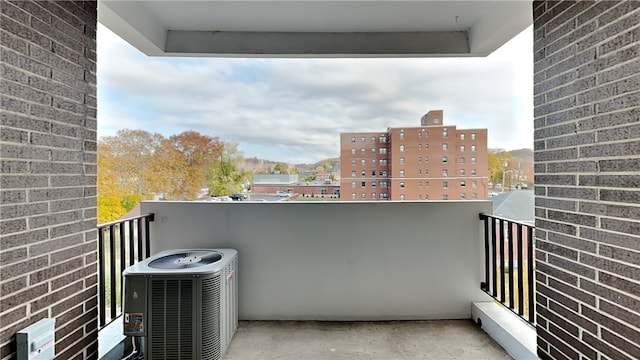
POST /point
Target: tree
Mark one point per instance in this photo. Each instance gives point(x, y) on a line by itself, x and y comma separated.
point(189, 156)
point(497, 160)
point(224, 176)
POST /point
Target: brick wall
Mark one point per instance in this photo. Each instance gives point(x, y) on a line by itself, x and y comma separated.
point(48, 173)
point(587, 157)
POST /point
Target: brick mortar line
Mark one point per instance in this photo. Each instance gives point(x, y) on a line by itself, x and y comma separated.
point(598, 297)
point(598, 29)
point(578, 120)
point(595, 158)
point(47, 92)
point(586, 90)
point(544, 116)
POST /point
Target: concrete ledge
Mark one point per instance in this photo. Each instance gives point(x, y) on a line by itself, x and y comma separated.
point(516, 336)
point(109, 338)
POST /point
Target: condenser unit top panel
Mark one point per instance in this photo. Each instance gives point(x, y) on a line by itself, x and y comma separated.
point(183, 261)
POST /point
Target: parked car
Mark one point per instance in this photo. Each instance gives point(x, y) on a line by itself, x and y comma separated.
point(237, 197)
point(282, 194)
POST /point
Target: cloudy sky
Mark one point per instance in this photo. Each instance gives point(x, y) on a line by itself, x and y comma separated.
point(293, 110)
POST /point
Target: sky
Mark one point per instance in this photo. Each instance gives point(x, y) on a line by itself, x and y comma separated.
point(293, 110)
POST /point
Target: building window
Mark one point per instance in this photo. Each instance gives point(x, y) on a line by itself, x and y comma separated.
point(474, 183)
point(364, 173)
point(353, 184)
point(402, 148)
point(426, 171)
point(383, 139)
point(473, 171)
point(419, 183)
point(445, 159)
point(383, 150)
point(419, 145)
point(383, 162)
point(383, 184)
point(373, 183)
point(373, 150)
point(474, 196)
point(420, 197)
point(419, 171)
point(373, 162)
point(363, 196)
point(445, 172)
point(473, 136)
point(402, 184)
point(323, 191)
point(463, 196)
point(383, 173)
point(362, 151)
point(383, 195)
point(353, 151)
point(401, 196)
point(463, 183)
point(363, 162)
point(445, 197)
point(363, 139)
point(364, 183)
point(426, 159)
point(445, 147)
point(353, 196)
point(353, 139)
point(353, 173)
point(426, 183)
point(462, 160)
point(473, 160)
point(373, 139)
point(473, 148)
point(402, 160)
point(445, 184)
point(419, 158)
point(401, 135)
point(462, 136)
point(353, 162)
point(445, 133)
point(426, 146)
point(373, 195)
point(462, 172)
point(401, 173)
point(461, 148)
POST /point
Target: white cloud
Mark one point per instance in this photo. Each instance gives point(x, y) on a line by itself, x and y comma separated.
point(294, 109)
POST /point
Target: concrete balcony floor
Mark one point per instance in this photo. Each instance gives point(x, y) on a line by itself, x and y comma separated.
point(313, 340)
point(383, 340)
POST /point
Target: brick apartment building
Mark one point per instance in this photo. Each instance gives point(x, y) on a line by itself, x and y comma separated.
point(431, 162)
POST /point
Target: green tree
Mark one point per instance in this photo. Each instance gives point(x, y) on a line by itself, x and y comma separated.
point(224, 176)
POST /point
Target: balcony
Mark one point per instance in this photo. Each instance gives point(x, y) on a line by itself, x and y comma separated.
point(344, 279)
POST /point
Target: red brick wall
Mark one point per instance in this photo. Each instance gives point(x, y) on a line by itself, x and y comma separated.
point(48, 164)
point(587, 156)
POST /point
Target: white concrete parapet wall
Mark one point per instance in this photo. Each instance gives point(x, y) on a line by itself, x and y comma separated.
point(339, 260)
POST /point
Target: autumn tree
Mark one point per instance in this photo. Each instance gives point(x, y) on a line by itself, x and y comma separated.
point(189, 155)
point(499, 161)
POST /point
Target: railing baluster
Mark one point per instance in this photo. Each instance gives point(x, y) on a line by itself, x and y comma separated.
point(507, 237)
point(501, 251)
point(101, 278)
point(531, 274)
point(510, 259)
point(112, 271)
point(121, 238)
point(520, 271)
point(494, 268)
point(486, 253)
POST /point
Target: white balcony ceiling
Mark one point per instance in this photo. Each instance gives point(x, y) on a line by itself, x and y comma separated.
point(312, 28)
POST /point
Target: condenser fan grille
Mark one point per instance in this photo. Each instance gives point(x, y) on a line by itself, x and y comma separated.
point(211, 347)
point(172, 319)
point(186, 260)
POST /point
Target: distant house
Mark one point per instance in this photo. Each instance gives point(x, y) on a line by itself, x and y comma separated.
point(516, 206)
point(271, 183)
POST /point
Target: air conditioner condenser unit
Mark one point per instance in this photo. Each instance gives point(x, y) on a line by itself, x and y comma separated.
point(183, 303)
